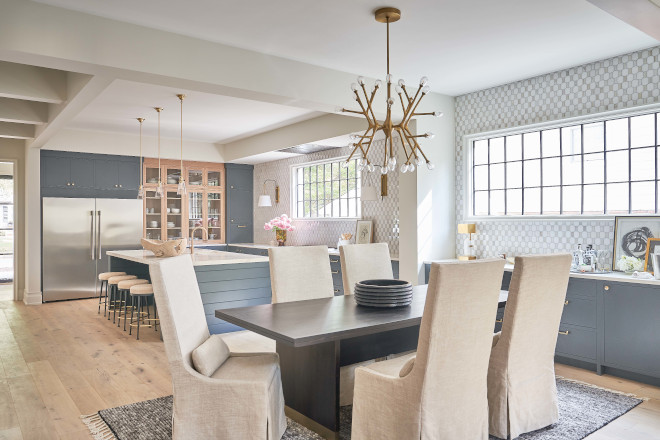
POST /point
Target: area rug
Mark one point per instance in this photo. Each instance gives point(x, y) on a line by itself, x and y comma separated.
point(583, 409)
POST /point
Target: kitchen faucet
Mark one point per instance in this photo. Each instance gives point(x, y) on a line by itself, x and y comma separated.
point(192, 237)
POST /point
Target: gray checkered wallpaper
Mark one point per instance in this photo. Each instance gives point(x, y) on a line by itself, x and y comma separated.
point(384, 213)
point(617, 83)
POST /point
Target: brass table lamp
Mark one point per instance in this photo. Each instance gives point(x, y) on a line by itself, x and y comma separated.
point(469, 252)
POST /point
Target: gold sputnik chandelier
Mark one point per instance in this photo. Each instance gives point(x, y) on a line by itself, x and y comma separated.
point(362, 144)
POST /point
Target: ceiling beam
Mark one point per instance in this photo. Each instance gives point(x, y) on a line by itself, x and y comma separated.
point(305, 132)
point(16, 131)
point(20, 81)
point(641, 14)
point(23, 112)
point(83, 89)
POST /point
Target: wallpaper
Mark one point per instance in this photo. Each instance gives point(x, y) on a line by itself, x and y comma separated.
point(383, 213)
point(617, 83)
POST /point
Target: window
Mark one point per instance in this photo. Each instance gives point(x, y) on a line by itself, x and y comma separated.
point(604, 167)
point(326, 190)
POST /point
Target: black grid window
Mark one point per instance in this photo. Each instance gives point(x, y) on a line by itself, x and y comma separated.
point(327, 190)
point(604, 167)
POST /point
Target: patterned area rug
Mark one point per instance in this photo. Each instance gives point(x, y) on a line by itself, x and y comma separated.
point(583, 409)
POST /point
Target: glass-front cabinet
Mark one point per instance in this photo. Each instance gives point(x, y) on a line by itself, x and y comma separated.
point(175, 216)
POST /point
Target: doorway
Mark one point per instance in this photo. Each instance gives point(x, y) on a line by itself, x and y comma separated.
point(7, 270)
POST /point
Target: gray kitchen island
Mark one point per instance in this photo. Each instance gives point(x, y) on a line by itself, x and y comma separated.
point(226, 279)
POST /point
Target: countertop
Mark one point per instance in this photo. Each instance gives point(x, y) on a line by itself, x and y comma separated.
point(331, 251)
point(201, 257)
point(612, 276)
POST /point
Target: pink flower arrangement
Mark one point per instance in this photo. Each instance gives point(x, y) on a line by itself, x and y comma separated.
point(281, 223)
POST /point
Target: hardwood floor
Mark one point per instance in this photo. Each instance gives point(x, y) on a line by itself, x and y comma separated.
point(61, 360)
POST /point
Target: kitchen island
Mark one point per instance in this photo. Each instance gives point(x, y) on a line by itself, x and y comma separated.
point(226, 279)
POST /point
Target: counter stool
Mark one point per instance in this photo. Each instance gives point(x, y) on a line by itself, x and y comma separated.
point(112, 293)
point(123, 289)
point(140, 295)
point(104, 277)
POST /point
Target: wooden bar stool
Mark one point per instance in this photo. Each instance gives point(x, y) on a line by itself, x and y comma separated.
point(112, 294)
point(123, 288)
point(104, 277)
point(140, 295)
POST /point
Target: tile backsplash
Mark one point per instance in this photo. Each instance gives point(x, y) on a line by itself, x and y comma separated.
point(617, 83)
point(384, 213)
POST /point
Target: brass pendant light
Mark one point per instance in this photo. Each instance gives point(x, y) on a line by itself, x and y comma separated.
point(181, 189)
point(159, 189)
point(409, 102)
point(140, 194)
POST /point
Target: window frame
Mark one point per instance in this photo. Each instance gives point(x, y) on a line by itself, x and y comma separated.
point(294, 193)
point(467, 155)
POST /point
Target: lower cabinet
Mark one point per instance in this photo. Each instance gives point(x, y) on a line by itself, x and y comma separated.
point(631, 315)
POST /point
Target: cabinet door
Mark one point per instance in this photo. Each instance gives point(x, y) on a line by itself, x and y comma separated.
point(128, 175)
point(632, 327)
point(56, 172)
point(240, 233)
point(239, 179)
point(240, 206)
point(82, 173)
point(105, 174)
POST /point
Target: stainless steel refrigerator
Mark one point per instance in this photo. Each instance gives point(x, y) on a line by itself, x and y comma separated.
point(76, 235)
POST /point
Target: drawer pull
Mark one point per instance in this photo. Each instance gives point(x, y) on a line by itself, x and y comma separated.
point(336, 290)
point(242, 226)
point(606, 288)
point(334, 271)
point(566, 302)
point(498, 321)
point(564, 333)
point(334, 261)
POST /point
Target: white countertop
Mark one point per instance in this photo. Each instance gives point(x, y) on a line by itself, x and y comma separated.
point(613, 276)
point(201, 257)
point(331, 251)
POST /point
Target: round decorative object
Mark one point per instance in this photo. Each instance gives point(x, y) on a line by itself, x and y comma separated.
point(280, 235)
point(385, 15)
point(383, 293)
point(170, 248)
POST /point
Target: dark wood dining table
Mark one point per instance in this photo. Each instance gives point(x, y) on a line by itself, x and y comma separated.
point(314, 338)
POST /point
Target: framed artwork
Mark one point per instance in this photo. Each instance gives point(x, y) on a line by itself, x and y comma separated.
point(632, 235)
point(652, 247)
point(364, 232)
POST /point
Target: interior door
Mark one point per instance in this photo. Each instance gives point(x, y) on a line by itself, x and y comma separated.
point(69, 262)
point(119, 227)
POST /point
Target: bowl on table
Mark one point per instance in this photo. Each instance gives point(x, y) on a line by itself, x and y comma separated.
point(383, 293)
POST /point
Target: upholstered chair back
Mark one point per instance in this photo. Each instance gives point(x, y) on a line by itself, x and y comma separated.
point(361, 262)
point(455, 337)
point(300, 272)
point(180, 308)
point(536, 302)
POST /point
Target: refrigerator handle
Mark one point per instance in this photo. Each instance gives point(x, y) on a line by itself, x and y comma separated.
point(92, 239)
point(98, 235)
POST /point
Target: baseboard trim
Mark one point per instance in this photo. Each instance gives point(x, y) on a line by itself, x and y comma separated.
point(32, 298)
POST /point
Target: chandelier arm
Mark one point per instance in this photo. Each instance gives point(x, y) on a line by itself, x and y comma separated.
point(424, 114)
point(403, 143)
point(406, 92)
point(345, 110)
point(370, 143)
point(412, 141)
point(403, 106)
point(417, 104)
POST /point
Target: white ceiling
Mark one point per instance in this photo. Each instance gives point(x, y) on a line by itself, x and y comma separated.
point(462, 45)
point(206, 117)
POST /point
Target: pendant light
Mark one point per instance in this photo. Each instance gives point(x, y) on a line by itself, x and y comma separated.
point(140, 194)
point(181, 189)
point(159, 189)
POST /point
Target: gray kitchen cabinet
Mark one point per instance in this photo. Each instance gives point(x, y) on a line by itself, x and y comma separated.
point(631, 327)
point(116, 175)
point(67, 172)
point(240, 203)
point(82, 173)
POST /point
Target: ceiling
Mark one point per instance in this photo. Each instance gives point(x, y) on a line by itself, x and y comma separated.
point(461, 45)
point(206, 117)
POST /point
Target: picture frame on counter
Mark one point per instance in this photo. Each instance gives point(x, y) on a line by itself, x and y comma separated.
point(632, 235)
point(364, 232)
point(653, 247)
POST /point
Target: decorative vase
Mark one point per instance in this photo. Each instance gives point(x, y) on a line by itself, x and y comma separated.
point(280, 235)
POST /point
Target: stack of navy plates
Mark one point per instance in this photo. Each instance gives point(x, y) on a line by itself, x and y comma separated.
point(383, 293)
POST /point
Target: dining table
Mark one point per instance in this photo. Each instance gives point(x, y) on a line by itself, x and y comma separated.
point(315, 337)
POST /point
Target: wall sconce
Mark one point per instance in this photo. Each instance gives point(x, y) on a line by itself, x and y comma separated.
point(469, 252)
point(264, 199)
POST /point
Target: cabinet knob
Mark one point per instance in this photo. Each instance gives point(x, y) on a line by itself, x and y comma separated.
point(336, 290)
point(232, 186)
point(606, 288)
point(73, 183)
point(566, 302)
point(68, 184)
point(120, 186)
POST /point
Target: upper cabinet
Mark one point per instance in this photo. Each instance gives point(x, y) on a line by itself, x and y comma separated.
point(67, 174)
point(202, 206)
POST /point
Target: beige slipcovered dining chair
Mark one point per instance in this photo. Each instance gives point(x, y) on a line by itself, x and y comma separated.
point(298, 273)
point(361, 262)
point(217, 394)
point(440, 391)
point(522, 393)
